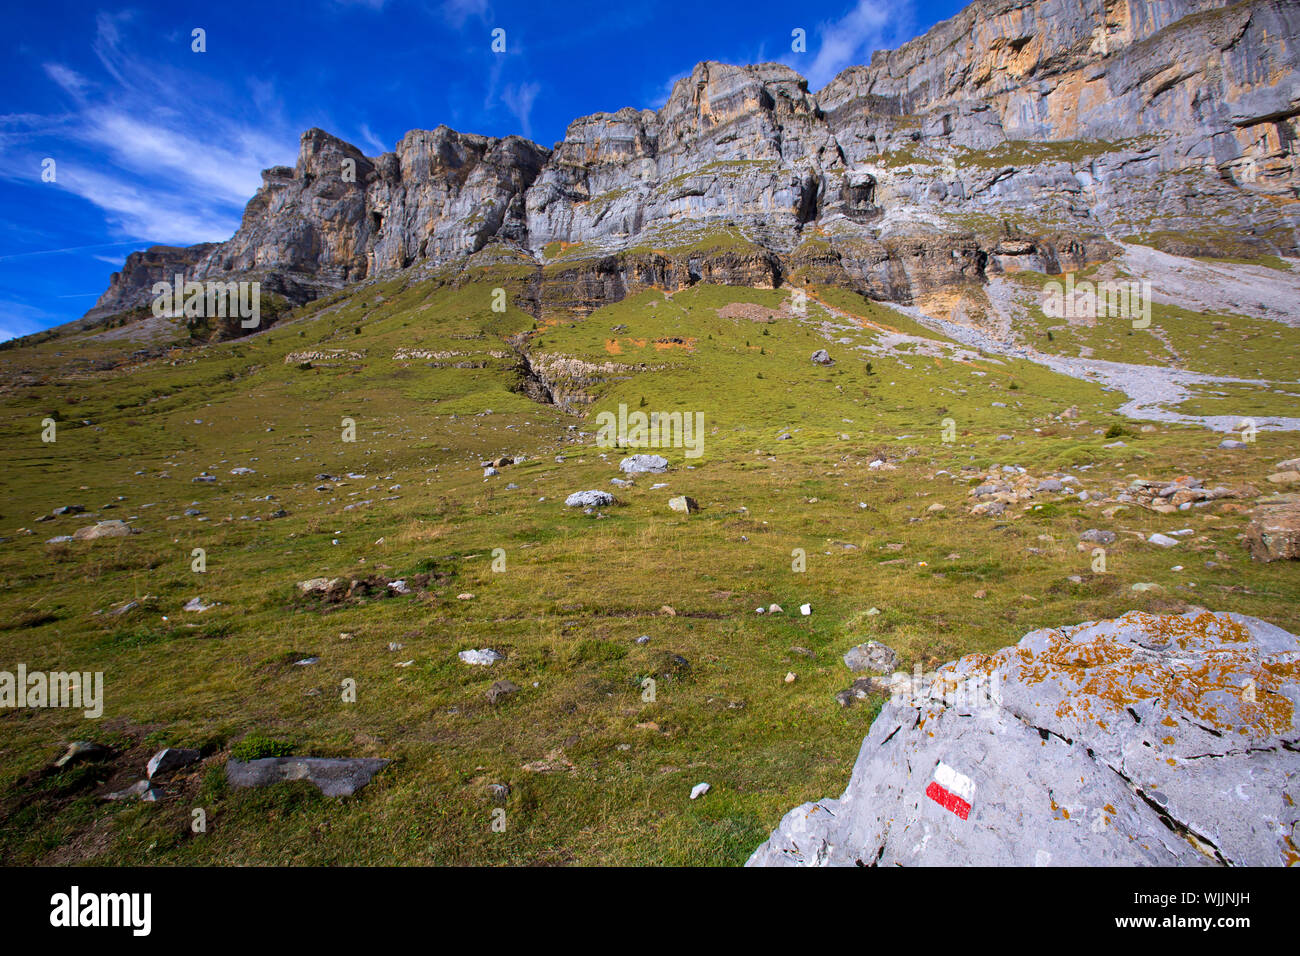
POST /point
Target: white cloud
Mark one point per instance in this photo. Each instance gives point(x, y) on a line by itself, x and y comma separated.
point(373, 141)
point(519, 100)
point(158, 215)
point(871, 25)
point(457, 12)
point(159, 174)
point(70, 80)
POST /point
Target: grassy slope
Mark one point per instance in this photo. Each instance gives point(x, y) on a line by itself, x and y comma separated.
point(577, 589)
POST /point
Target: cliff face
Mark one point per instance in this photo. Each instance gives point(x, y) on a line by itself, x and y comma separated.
point(1021, 133)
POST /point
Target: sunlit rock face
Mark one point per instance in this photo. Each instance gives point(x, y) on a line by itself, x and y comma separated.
point(1150, 739)
point(1018, 134)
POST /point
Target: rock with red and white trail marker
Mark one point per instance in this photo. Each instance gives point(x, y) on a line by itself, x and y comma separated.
point(1151, 739)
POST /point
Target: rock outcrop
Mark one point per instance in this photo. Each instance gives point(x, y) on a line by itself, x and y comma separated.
point(1018, 134)
point(1146, 740)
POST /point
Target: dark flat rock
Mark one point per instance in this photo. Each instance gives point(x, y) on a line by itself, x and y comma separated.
point(334, 777)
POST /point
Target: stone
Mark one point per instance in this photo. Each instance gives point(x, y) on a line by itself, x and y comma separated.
point(196, 604)
point(1050, 484)
point(480, 658)
point(871, 656)
point(1096, 536)
point(1274, 531)
point(699, 790)
point(1232, 443)
point(315, 585)
point(589, 499)
point(1108, 743)
point(82, 750)
point(1162, 540)
point(170, 759)
point(684, 504)
point(141, 790)
point(500, 690)
point(102, 529)
point(644, 464)
point(822, 357)
point(1285, 478)
point(334, 777)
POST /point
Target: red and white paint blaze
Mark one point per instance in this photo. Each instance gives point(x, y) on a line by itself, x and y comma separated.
point(952, 790)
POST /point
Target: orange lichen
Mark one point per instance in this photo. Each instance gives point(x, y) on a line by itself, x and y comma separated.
point(1203, 681)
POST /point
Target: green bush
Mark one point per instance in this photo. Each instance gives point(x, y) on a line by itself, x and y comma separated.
point(257, 745)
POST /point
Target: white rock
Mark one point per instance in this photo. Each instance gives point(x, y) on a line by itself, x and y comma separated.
point(481, 657)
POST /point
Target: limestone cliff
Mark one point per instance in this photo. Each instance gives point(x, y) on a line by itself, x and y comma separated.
point(1018, 134)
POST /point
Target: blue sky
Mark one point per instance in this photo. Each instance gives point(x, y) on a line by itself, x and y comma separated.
point(153, 142)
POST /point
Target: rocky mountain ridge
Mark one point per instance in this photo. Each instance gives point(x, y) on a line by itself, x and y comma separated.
point(1018, 134)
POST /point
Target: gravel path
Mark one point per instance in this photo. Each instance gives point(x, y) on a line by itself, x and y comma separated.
point(1148, 387)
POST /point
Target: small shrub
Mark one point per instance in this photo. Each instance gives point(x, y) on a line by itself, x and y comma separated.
point(257, 745)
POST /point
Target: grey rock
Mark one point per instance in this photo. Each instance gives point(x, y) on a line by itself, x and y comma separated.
point(589, 499)
point(334, 777)
point(170, 759)
point(82, 750)
point(481, 657)
point(650, 464)
point(1110, 743)
point(1050, 484)
point(1096, 536)
point(871, 656)
point(684, 503)
point(102, 529)
point(1162, 540)
point(821, 357)
point(141, 790)
point(500, 690)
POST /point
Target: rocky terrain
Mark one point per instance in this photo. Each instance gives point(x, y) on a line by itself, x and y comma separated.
point(1146, 740)
point(372, 582)
point(1016, 135)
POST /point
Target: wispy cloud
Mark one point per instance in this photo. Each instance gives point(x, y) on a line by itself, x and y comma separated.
point(519, 100)
point(871, 25)
point(159, 174)
point(456, 12)
point(374, 142)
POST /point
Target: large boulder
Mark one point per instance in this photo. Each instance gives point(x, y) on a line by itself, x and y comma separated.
point(1149, 739)
point(589, 499)
point(1274, 531)
point(644, 464)
point(334, 777)
point(102, 529)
